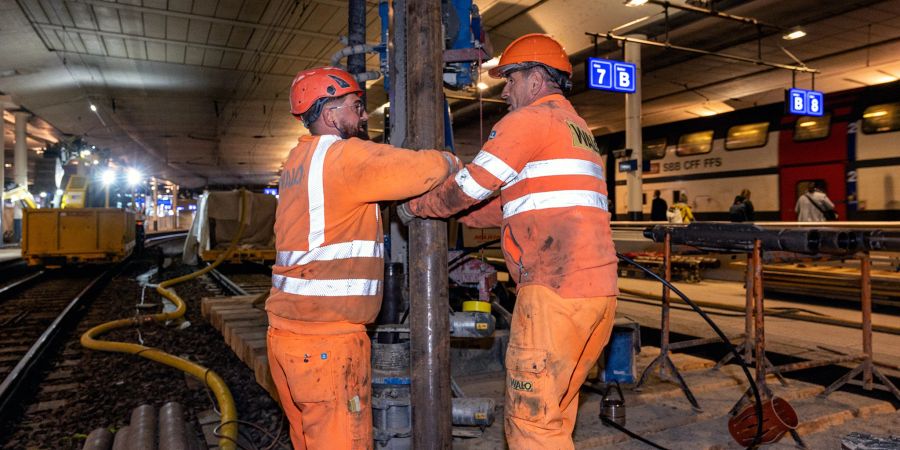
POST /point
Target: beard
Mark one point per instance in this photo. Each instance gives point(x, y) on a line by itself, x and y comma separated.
point(350, 131)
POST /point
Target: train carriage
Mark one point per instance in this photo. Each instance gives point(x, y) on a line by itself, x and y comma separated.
point(853, 151)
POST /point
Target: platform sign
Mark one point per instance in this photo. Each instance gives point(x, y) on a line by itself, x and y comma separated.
point(607, 75)
point(815, 102)
point(805, 102)
point(628, 165)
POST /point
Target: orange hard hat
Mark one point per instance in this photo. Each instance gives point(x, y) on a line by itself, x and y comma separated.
point(313, 84)
point(535, 47)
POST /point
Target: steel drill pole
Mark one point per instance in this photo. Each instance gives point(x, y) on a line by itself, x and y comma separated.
point(428, 282)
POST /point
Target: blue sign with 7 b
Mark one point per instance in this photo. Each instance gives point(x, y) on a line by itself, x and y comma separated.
point(802, 101)
point(609, 75)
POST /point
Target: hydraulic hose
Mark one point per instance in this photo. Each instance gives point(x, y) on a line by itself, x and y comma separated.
point(731, 348)
point(229, 423)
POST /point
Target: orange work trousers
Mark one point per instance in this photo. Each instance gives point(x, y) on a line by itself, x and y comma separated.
point(553, 343)
point(323, 376)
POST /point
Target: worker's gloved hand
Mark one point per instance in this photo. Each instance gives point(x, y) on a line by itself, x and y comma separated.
point(455, 163)
point(406, 216)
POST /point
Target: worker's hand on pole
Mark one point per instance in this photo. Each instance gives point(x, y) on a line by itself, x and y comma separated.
point(455, 163)
point(406, 216)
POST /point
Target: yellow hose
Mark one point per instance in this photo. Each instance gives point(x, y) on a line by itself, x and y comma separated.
point(216, 384)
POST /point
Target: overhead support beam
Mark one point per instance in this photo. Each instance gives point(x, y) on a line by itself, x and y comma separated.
point(473, 98)
point(422, 46)
point(667, 45)
point(48, 26)
point(257, 73)
point(209, 19)
point(714, 13)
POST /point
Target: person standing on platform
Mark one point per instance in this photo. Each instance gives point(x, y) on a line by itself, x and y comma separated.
point(327, 278)
point(738, 210)
point(748, 206)
point(556, 239)
point(814, 206)
point(658, 208)
point(680, 211)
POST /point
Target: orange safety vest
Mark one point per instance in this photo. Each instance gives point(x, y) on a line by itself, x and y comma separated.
point(552, 204)
point(328, 233)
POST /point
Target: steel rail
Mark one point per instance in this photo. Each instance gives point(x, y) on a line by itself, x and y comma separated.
point(226, 283)
point(9, 388)
point(20, 282)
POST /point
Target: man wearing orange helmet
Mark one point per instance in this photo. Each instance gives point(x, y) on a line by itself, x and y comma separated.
point(556, 239)
point(327, 278)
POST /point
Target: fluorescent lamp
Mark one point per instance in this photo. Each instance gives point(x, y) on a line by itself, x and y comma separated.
point(93, 107)
point(795, 33)
point(633, 3)
point(875, 114)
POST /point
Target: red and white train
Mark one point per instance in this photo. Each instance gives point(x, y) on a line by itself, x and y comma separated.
point(853, 151)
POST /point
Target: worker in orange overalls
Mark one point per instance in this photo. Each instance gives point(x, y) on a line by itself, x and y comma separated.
point(327, 279)
point(556, 239)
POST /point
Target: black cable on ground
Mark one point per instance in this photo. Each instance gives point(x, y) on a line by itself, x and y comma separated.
point(731, 348)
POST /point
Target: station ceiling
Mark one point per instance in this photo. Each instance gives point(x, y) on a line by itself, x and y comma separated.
point(195, 91)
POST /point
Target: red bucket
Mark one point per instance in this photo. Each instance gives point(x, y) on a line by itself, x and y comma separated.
point(778, 418)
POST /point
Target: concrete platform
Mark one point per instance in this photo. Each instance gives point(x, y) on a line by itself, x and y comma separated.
point(10, 254)
point(786, 336)
point(661, 413)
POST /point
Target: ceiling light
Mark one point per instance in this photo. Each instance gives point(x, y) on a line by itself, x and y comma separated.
point(491, 63)
point(96, 162)
point(807, 123)
point(874, 114)
point(43, 194)
point(482, 85)
point(93, 107)
point(794, 33)
point(635, 2)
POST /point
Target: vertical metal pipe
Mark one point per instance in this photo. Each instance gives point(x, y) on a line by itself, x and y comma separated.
point(2, 165)
point(428, 289)
point(356, 34)
point(633, 138)
point(748, 314)
point(667, 263)
point(760, 334)
point(20, 166)
point(865, 279)
point(391, 303)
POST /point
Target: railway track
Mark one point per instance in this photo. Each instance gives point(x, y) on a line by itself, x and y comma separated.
point(240, 279)
point(34, 318)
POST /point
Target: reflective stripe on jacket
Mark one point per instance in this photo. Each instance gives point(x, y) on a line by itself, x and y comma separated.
point(328, 233)
point(552, 204)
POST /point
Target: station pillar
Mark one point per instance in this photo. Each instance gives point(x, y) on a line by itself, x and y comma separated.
point(633, 138)
point(2, 168)
point(20, 167)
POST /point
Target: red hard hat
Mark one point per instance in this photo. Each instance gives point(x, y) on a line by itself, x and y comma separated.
point(535, 47)
point(313, 84)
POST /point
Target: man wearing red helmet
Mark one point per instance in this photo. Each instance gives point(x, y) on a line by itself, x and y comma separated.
point(556, 239)
point(326, 282)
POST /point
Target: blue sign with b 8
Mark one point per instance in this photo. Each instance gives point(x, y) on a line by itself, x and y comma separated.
point(610, 75)
point(804, 102)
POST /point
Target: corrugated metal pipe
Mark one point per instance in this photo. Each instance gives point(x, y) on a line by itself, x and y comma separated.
point(229, 427)
point(358, 49)
point(148, 431)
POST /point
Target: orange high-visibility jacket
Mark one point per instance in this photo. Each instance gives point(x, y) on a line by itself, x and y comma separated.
point(328, 231)
point(552, 204)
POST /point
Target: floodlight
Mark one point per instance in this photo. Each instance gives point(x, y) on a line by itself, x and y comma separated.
point(93, 107)
point(134, 177)
point(108, 177)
